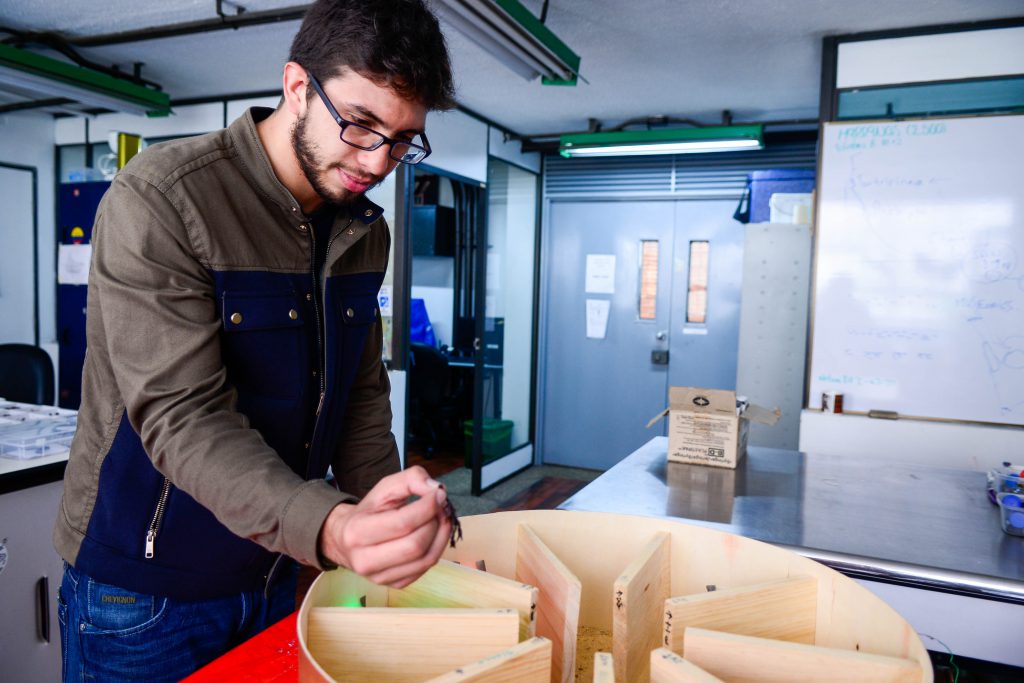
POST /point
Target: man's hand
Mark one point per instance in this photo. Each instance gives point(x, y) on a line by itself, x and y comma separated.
point(385, 538)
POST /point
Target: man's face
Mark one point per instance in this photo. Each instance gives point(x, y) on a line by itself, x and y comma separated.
point(338, 172)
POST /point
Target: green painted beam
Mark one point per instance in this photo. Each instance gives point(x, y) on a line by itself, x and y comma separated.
point(156, 103)
point(533, 25)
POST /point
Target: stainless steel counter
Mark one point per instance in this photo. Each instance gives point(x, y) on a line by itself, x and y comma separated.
point(893, 523)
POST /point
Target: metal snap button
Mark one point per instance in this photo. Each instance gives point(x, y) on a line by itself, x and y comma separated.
point(368, 213)
point(293, 314)
point(236, 318)
point(349, 312)
point(309, 297)
point(351, 231)
point(303, 227)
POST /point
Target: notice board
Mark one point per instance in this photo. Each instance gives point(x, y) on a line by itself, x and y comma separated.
point(919, 268)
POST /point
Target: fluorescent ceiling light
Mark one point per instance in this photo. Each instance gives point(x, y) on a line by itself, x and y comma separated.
point(514, 37)
point(663, 141)
point(31, 75)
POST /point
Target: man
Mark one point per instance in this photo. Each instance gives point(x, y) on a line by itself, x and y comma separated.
point(234, 353)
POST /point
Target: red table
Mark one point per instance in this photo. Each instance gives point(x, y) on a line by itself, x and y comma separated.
point(270, 656)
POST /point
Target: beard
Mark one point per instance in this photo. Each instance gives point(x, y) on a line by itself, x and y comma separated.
point(316, 170)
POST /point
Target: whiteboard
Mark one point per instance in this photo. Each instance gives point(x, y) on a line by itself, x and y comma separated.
point(919, 275)
point(17, 255)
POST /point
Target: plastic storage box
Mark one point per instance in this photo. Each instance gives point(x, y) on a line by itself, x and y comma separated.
point(37, 438)
point(497, 437)
point(1011, 508)
point(31, 431)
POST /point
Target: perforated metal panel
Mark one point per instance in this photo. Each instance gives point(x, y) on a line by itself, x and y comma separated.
point(773, 327)
point(683, 176)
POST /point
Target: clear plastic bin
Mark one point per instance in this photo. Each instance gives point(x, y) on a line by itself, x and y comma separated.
point(1006, 479)
point(37, 438)
point(1011, 509)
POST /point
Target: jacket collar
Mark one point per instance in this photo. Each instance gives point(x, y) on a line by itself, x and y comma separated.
point(255, 160)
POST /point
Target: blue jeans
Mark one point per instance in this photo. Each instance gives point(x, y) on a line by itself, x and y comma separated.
point(112, 634)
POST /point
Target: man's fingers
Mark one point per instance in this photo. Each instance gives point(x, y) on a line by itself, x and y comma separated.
point(372, 560)
point(371, 527)
point(393, 490)
point(401, 575)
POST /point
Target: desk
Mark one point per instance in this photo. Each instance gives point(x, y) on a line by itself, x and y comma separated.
point(492, 383)
point(925, 539)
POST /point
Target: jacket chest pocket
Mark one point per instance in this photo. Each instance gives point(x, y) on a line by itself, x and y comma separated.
point(265, 348)
point(356, 310)
point(355, 315)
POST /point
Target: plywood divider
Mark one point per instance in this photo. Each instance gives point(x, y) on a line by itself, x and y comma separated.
point(782, 610)
point(405, 645)
point(639, 595)
point(604, 668)
point(558, 600)
point(746, 659)
point(668, 667)
point(527, 662)
point(448, 584)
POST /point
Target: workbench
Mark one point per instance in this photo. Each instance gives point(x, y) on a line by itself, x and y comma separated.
point(926, 540)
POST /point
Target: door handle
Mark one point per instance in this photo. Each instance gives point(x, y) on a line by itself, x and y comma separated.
point(43, 605)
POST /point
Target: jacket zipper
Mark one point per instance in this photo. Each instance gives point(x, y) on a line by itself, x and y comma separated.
point(321, 289)
point(158, 517)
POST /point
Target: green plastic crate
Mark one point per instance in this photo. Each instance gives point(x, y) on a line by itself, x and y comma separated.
point(497, 438)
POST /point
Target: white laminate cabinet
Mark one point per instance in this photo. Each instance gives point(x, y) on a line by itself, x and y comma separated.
point(29, 578)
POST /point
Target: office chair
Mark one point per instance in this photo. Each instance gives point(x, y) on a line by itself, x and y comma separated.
point(434, 405)
point(26, 374)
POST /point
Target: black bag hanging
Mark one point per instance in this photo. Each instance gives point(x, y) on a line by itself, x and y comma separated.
point(742, 212)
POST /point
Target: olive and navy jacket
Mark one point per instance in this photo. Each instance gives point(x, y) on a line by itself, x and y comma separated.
point(221, 380)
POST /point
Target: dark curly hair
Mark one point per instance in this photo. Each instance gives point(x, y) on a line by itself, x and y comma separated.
point(396, 43)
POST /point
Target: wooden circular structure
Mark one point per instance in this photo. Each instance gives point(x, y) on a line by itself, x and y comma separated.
point(551, 595)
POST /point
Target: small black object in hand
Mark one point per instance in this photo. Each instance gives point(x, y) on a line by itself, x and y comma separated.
point(449, 510)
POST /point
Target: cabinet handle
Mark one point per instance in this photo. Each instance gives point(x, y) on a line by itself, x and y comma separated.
point(43, 604)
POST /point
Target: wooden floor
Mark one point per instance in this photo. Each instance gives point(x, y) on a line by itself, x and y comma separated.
point(441, 462)
point(545, 494)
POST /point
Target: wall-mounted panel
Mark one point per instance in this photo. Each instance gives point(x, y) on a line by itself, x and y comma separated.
point(936, 57)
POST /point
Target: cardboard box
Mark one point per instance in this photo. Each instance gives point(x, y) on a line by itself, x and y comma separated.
point(708, 426)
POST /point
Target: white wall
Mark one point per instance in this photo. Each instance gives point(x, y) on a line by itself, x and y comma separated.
point(27, 139)
point(500, 146)
point(458, 144)
point(191, 120)
point(930, 444)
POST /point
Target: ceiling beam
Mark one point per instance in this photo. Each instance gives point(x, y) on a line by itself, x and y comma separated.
point(237, 21)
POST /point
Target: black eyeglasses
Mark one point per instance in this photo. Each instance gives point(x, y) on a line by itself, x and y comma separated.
point(368, 139)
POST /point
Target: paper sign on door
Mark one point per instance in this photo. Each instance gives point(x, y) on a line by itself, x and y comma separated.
point(600, 274)
point(597, 318)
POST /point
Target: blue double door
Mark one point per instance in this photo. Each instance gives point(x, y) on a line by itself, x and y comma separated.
point(659, 307)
